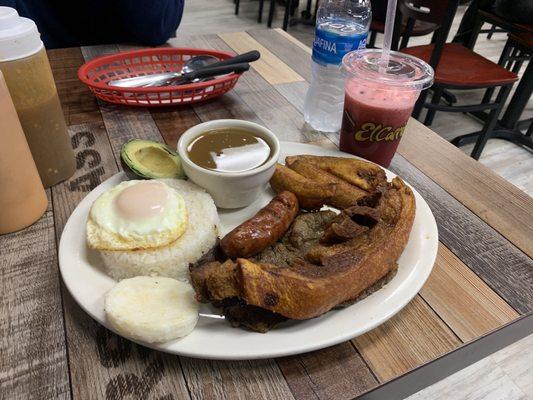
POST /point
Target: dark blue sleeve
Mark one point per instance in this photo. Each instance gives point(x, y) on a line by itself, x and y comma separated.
point(87, 22)
point(150, 23)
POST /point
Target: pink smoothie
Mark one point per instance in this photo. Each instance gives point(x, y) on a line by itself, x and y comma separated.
point(374, 119)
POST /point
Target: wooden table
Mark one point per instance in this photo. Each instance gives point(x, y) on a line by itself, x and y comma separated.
point(478, 298)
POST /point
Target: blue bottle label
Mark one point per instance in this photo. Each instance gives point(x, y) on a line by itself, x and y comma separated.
point(330, 47)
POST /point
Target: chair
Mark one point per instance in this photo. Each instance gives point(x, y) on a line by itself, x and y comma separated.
point(408, 28)
point(290, 9)
point(260, 14)
point(517, 50)
point(456, 68)
point(521, 44)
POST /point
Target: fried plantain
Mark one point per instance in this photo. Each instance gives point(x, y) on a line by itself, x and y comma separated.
point(311, 195)
point(345, 194)
point(363, 174)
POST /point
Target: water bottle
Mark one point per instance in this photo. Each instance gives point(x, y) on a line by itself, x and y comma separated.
point(341, 26)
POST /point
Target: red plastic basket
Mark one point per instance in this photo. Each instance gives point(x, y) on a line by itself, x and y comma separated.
point(96, 73)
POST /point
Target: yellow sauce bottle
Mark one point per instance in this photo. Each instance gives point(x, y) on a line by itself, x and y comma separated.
point(29, 79)
point(22, 197)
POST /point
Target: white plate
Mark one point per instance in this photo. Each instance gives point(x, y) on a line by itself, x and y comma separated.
point(214, 338)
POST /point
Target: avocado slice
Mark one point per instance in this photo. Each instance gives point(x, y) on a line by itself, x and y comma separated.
point(149, 159)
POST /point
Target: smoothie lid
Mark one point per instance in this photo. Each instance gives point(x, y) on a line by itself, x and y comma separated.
point(19, 36)
point(403, 71)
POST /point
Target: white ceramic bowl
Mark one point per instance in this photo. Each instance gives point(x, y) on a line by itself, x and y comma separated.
point(230, 189)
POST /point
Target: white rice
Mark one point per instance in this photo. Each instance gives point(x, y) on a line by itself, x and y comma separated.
point(173, 260)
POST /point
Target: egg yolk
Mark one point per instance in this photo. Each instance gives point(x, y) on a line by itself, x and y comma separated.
point(141, 201)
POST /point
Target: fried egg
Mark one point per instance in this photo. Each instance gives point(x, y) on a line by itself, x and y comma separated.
point(136, 215)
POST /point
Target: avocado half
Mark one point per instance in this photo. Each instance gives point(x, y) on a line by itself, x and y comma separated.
point(149, 159)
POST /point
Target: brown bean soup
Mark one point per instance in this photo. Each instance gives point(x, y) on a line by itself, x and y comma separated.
point(229, 150)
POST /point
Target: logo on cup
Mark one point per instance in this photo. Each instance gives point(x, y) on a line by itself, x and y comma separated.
point(372, 132)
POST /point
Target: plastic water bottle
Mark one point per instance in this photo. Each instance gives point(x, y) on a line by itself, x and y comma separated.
point(341, 26)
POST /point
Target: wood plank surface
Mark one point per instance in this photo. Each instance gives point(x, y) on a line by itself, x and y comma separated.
point(290, 51)
point(78, 103)
point(209, 379)
point(493, 199)
point(335, 373)
point(295, 93)
point(287, 36)
point(33, 359)
point(269, 66)
point(466, 303)
point(94, 164)
point(124, 123)
point(173, 122)
point(412, 337)
point(228, 106)
point(507, 270)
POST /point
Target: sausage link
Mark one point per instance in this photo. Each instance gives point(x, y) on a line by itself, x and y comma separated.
point(263, 229)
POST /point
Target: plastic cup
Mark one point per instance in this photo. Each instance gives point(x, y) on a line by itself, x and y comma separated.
point(377, 105)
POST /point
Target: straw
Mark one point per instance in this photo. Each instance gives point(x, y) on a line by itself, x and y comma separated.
point(387, 39)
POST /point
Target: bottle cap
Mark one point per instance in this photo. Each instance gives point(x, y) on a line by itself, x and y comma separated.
point(19, 36)
point(403, 71)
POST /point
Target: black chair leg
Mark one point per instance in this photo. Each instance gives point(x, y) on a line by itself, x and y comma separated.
point(407, 32)
point(437, 93)
point(271, 13)
point(293, 7)
point(419, 105)
point(504, 57)
point(260, 15)
point(505, 53)
point(518, 63)
point(475, 33)
point(286, 15)
point(237, 4)
point(396, 32)
point(372, 40)
point(490, 123)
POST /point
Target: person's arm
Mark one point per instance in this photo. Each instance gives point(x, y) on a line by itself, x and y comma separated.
point(147, 22)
